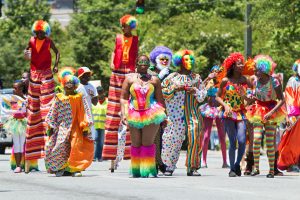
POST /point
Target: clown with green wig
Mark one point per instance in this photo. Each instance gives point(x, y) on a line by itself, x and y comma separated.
point(183, 92)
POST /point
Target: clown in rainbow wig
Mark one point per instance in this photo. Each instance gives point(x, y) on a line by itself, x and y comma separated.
point(231, 95)
point(122, 63)
point(70, 148)
point(183, 92)
point(289, 151)
point(211, 112)
point(41, 88)
point(266, 112)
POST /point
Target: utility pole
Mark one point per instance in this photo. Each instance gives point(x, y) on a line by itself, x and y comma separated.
point(248, 32)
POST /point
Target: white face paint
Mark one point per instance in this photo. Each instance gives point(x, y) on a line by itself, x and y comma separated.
point(298, 70)
point(162, 61)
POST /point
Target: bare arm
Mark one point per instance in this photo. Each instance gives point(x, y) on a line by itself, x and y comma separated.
point(57, 56)
point(125, 96)
point(158, 92)
point(220, 92)
point(112, 66)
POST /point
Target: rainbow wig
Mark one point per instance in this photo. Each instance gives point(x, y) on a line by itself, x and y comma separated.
point(129, 20)
point(265, 64)
point(178, 56)
point(296, 65)
point(66, 75)
point(41, 25)
point(158, 51)
point(232, 59)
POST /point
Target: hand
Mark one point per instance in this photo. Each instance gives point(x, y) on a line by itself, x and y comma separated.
point(164, 124)
point(179, 87)
point(91, 93)
point(164, 72)
point(55, 69)
point(191, 90)
point(124, 120)
point(267, 116)
point(27, 54)
point(112, 66)
point(227, 110)
point(242, 92)
point(212, 75)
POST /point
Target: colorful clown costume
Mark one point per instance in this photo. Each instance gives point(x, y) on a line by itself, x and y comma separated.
point(184, 116)
point(68, 148)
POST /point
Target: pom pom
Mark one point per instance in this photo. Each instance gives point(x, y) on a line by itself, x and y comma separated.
point(265, 64)
point(41, 25)
point(231, 59)
point(129, 20)
point(296, 65)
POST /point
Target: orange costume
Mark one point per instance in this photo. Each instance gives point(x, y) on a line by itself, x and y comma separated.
point(70, 146)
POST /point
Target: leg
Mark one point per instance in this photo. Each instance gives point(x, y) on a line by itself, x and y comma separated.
point(270, 140)
point(249, 155)
point(96, 145)
point(222, 139)
point(230, 129)
point(101, 142)
point(136, 141)
point(121, 144)
point(258, 130)
point(207, 130)
point(241, 137)
point(148, 166)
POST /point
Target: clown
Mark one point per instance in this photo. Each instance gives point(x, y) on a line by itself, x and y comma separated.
point(122, 63)
point(161, 58)
point(40, 89)
point(70, 148)
point(183, 92)
point(210, 112)
point(266, 112)
point(289, 151)
point(231, 95)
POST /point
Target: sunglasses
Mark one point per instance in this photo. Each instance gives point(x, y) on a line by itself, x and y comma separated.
point(143, 62)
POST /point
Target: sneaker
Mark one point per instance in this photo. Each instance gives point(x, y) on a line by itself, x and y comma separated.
point(225, 165)
point(270, 175)
point(204, 166)
point(18, 170)
point(77, 174)
point(232, 173)
point(168, 173)
point(59, 173)
point(193, 172)
point(255, 172)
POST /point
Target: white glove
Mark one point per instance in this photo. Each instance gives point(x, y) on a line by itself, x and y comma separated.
point(27, 54)
point(164, 72)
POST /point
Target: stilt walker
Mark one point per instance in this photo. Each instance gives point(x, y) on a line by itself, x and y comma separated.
point(40, 91)
point(122, 63)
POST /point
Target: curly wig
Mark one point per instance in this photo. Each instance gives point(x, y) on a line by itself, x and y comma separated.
point(296, 65)
point(178, 56)
point(265, 64)
point(159, 50)
point(129, 20)
point(41, 25)
point(232, 59)
point(66, 75)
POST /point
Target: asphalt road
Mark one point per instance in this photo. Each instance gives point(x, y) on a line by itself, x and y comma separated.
point(98, 183)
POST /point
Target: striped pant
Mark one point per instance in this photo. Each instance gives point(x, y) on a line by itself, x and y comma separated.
point(40, 96)
point(270, 131)
point(113, 118)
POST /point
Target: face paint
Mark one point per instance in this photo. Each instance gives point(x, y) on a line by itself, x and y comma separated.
point(188, 62)
point(143, 62)
point(162, 61)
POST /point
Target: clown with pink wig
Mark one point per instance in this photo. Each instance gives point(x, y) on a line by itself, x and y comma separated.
point(40, 90)
point(183, 92)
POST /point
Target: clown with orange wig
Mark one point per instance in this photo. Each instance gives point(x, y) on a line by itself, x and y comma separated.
point(70, 148)
point(40, 90)
point(183, 92)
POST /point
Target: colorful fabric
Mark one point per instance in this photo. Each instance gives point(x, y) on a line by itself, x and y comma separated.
point(148, 166)
point(16, 126)
point(270, 131)
point(289, 148)
point(40, 58)
point(99, 114)
point(184, 116)
point(68, 148)
point(292, 96)
point(256, 112)
point(113, 116)
point(119, 51)
point(33, 164)
point(135, 161)
point(143, 108)
point(234, 100)
point(267, 91)
point(123, 129)
point(126, 44)
point(40, 96)
point(210, 111)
